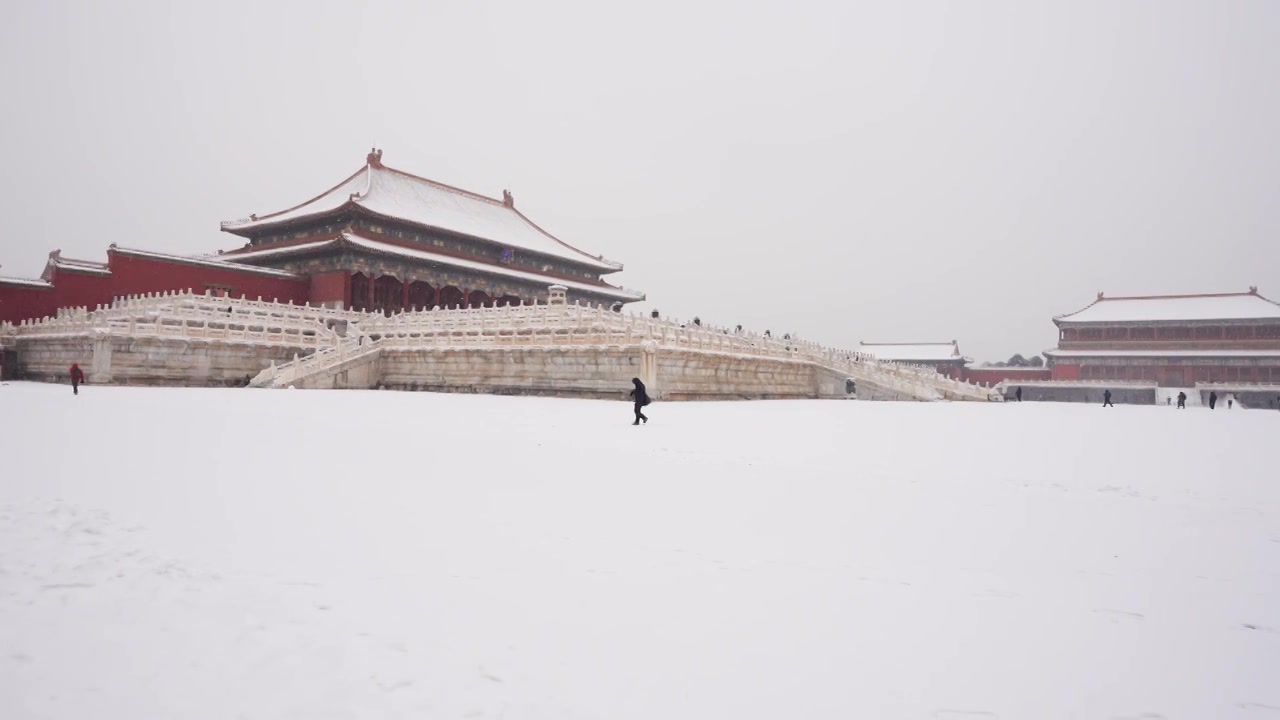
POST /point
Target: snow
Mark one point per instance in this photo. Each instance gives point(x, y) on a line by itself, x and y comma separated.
point(911, 351)
point(25, 282)
point(398, 195)
point(1240, 306)
point(239, 553)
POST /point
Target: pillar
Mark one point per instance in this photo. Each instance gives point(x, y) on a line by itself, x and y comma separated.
point(466, 298)
point(373, 282)
point(100, 367)
point(649, 367)
point(404, 294)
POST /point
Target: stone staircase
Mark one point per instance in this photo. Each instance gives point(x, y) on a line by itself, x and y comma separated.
point(350, 364)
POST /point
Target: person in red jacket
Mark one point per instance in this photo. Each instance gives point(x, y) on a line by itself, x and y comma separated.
point(77, 377)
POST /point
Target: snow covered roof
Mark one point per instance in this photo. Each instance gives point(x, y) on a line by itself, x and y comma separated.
point(398, 195)
point(918, 352)
point(28, 282)
point(1157, 308)
point(353, 240)
point(1163, 353)
point(63, 263)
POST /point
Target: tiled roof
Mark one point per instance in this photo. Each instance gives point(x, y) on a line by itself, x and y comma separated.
point(1166, 308)
point(398, 195)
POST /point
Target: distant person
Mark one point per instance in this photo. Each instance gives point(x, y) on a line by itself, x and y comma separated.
point(1018, 394)
point(641, 398)
point(1213, 399)
point(77, 377)
point(1231, 399)
point(1182, 401)
point(1106, 399)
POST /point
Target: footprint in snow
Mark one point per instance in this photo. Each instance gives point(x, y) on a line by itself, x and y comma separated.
point(1119, 615)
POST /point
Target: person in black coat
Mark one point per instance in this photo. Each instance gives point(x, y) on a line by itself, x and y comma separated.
point(641, 397)
point(1182, 401)
point(1213, 399)
point(1018, 394)
point(1106, 398)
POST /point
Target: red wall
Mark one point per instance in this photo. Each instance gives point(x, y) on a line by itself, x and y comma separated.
point(1066, 372)
point(327, 288)
point(19, 302)
point(75, 289)
point(136, 275)
point(133, 275)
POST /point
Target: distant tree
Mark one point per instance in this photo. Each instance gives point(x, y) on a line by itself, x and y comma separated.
point(1035, 361)
point(1017, 361)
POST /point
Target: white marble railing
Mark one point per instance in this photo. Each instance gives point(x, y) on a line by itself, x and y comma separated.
point(549, 325)
point(206, 316)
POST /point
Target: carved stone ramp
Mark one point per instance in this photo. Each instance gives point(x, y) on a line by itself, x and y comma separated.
point(352, 364)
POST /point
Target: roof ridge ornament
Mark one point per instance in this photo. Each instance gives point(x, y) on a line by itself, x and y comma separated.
point(374, 157)
point(508, 200)
point(1253, 289)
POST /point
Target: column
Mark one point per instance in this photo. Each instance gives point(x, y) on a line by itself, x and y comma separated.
point(372, 282)
point(404, 294)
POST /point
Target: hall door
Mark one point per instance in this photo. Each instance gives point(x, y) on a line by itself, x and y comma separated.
point(1172, 377)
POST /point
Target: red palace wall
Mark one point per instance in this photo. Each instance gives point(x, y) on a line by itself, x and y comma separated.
point(136, 275)
point(1066, 372)
point(133, 274)
point(18, 302)
point(75, 289)
point(330, 288)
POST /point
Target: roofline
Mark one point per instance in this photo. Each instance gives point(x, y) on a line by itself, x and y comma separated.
point(1102, 297)
point(285, 245)
point(35, 283)
point(238, 227)
point(580, 285)
point(341, 241)
point(232, 226)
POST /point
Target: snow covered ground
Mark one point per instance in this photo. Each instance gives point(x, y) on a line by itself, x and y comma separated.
point(178, 553)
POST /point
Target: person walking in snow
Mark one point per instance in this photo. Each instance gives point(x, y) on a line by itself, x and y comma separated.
point(77, 377)
point(1018, 394)
point(1231, 400)
point(1106, 399)
point(1182, 401)
point(641, 398)
point(1213, 399)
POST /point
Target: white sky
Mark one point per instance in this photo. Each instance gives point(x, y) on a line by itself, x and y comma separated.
point(848, 171)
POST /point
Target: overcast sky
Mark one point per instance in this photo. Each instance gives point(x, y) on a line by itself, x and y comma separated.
point(847, 171)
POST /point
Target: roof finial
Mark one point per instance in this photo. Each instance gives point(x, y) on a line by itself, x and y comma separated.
point(1253, 289)
point(1099, 294)
point(508, 199)
point(375, 157)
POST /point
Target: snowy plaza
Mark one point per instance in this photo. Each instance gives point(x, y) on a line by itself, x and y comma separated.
point(214, 553)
